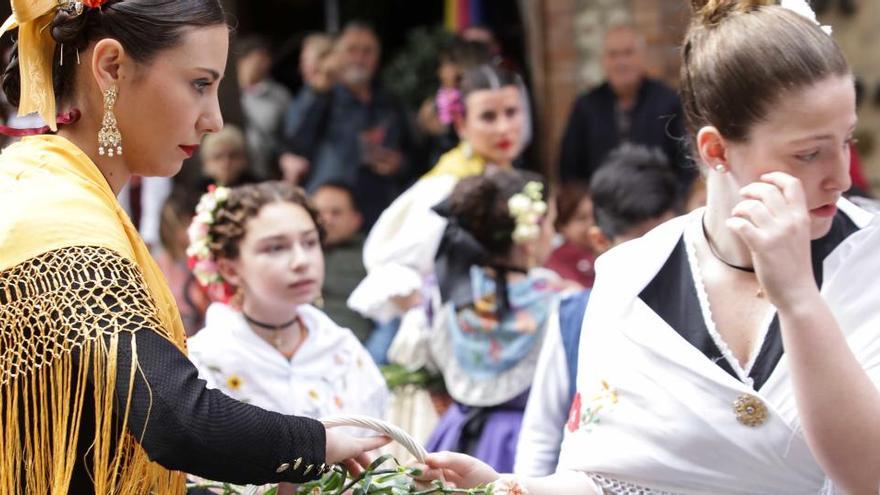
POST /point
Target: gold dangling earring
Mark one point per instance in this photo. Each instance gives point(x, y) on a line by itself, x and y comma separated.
point(319, 302)
point(467, 150)
point(109, 137)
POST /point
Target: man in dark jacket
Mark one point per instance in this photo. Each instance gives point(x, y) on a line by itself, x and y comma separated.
point(628, 107)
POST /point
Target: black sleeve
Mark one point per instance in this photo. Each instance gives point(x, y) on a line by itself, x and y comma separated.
point(572, 155)
point(179, 422)
point(187, 427)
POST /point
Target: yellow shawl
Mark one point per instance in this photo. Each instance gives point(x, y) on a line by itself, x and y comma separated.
point(53, 202)
point(458, 162)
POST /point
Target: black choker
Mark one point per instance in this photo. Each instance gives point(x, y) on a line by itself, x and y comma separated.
point(747, 269)
point(267, 326)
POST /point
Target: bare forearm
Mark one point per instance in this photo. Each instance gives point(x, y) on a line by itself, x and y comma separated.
point(568, 482)
point(838, 404)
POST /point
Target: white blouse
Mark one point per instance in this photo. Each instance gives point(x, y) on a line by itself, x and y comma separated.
point(654, 412)
point(330, 374)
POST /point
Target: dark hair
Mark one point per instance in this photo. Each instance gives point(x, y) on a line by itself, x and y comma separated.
point(486, 76)
point(466, 54)
point(359, 25)
point(143, 27)
point(175, 216)
point(245, 202)
point(339, 186)
point(252, 43)
point(479, 205)
point(568, 198)
point(634, 184)
point(739, 57)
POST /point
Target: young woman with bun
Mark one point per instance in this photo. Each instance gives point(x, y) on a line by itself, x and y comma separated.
point(737, 349)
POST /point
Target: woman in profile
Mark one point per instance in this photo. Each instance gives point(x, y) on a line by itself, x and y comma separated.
point(96, 392)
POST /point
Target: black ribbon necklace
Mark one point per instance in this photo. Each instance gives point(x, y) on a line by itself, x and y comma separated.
point(269, 326)
point(747, 269)
point(277, 338)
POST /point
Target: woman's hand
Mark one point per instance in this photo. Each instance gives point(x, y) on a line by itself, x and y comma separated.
point(774, 222)
point(408, 301)
point(460, 470)
point(351, 451)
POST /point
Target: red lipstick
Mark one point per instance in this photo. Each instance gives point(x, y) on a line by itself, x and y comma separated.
point(189, 150)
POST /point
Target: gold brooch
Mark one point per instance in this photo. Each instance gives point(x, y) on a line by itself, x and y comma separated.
point(750, 411)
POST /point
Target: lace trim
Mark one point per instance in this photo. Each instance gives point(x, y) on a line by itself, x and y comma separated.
point(611, 486)
point(706, 310)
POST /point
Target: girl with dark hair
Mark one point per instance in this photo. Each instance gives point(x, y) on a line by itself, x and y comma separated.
point(494, 305)
point(735, 349)
point(96, 392)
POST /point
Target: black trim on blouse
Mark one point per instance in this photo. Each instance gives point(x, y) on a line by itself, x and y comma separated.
point(672, 295)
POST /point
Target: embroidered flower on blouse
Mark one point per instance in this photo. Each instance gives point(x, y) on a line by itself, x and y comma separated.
point(234, 383)
point(586, 417)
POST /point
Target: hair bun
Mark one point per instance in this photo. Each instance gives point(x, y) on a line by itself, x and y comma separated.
point(68, 28)
point(712, 12)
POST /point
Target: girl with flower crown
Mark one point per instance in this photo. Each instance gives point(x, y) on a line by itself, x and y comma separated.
point(257, 248)
point(493, 307)
point(736, 349)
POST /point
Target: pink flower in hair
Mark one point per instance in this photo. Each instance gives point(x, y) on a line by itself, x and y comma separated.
point(449, 105)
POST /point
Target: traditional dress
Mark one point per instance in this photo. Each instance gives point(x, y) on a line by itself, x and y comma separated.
point(94, 382)
point(331, 374)
point(488, 361)
point(399, 252)
point(664, 407)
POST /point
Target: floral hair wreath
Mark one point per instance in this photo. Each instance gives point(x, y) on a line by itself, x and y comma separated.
point(527, 208)
point(199, 259)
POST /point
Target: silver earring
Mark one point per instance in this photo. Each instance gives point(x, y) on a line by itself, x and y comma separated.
point(720, 168)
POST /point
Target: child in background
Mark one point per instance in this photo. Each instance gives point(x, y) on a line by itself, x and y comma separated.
point(343, 255)
point(268, 345)
point(225, 159)
point(573, 260)
point(632, 192)
point(192, 301)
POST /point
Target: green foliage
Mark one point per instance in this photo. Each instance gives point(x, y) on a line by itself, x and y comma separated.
point(412, 73)
point(385, 476)
point(397, 376)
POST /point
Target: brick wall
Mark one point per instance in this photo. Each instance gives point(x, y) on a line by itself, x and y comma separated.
point(565, 39)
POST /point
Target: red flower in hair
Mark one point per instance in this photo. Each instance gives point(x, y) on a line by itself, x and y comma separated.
point(94, 4)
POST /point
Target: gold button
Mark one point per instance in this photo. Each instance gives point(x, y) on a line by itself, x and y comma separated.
point(750, 410)
point(282, 468)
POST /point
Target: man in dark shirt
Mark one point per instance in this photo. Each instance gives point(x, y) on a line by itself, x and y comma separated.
point(627, 107)
point(352, 131)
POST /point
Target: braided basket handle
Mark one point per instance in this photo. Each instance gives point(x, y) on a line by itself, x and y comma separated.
point(395, 433)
